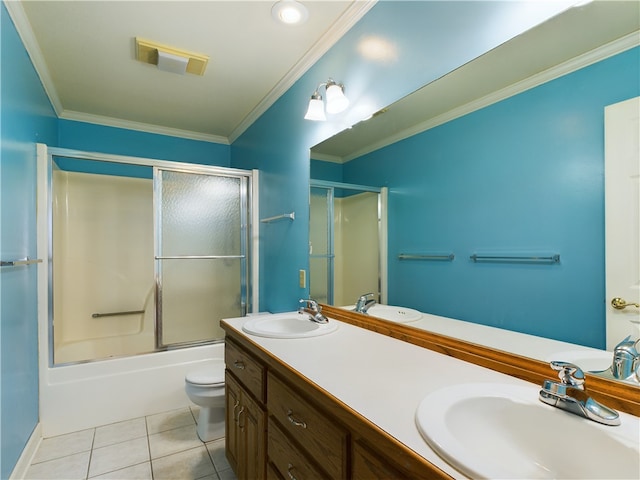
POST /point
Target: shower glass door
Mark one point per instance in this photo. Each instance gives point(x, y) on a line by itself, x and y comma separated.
point(201, 254)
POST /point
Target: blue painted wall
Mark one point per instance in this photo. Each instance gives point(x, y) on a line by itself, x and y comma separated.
point(329, 171)
point(525, 175)
point(119, 141)
point(27, 117)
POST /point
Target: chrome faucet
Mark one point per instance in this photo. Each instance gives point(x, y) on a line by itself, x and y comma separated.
point(364, 303)
point(311, 308)
point(569, 394)
point(626, 360)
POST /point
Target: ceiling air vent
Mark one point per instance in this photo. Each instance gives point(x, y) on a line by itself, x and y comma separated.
point(169, 58)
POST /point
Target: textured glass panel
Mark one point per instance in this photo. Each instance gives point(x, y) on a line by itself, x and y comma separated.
point(196, 295)
point(318, 221)
point(200, 214)
point(318, 279)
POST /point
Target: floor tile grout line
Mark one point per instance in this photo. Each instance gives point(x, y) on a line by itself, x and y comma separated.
point(146, 427)
point(93, 441)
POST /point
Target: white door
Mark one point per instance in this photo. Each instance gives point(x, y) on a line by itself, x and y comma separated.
point(622, 218)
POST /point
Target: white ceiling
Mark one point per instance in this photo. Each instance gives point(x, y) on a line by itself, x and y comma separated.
point(84, 52)
point(569, 41)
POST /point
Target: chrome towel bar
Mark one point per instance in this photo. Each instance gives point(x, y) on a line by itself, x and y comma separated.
point(409, 256)
point(197, 257)
point(291, 216)
point(16, 263)
point(116, 314)
point(516, 259)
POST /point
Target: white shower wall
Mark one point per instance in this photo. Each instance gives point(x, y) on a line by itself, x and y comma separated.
point(357, 248)
point(102, 263)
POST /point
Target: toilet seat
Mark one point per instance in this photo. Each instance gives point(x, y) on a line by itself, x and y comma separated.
point(213, 377)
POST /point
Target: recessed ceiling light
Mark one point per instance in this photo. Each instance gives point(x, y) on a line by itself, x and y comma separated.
point(289, 12)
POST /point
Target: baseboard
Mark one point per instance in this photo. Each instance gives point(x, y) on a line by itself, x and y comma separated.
point(20, 470)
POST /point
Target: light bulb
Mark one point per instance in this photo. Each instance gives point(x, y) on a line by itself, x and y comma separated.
point(316, 109)
point(289, 12)
point(336, 99)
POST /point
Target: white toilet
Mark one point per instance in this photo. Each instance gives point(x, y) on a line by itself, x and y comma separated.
point(205, 388)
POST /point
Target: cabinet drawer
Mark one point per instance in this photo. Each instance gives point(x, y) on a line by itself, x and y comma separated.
point(302, 421)
point(250, 373)
point(287, 460)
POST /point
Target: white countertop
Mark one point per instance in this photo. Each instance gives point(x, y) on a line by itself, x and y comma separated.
point(522, 344)
point(381, 378)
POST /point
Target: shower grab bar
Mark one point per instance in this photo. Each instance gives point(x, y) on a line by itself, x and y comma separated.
point(197, 257)
point(510, 258)
point(16, 263)
point(116, 314)
point(411, 256)
point(291, 216)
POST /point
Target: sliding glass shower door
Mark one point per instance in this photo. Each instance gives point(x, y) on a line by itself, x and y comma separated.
point(200, 254)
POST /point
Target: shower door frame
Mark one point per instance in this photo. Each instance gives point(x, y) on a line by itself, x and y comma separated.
point(249, 230)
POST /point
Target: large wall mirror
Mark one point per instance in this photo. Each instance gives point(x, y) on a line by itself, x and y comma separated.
point(505, 157)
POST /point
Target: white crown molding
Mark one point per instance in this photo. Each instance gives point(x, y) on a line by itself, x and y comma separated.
point(601, 53)
point(348, 19)
point(21, 22)
point(141, 127)
point(325, 157)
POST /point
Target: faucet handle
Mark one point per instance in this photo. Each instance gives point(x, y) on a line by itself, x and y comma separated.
point(310, 304)
point(569, 374)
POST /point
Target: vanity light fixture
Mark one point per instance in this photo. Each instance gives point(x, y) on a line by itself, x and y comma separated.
point(336, 101)
point(289, 12)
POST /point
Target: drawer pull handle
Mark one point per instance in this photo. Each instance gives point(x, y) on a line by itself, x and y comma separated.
point(289, 468)
point(239, 364)
point(234, 411)
point(239, 415)
point(297, 423)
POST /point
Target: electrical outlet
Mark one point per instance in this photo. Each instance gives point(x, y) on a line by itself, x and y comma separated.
point(302, 278)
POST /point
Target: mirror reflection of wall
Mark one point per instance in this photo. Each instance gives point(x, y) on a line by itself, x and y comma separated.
point(344, 242)
point(520, 176)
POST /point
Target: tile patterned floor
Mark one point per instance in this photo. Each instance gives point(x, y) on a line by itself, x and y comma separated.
point(157, 447)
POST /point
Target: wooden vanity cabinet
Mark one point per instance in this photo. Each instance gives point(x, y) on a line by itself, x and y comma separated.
point(280, 426)
point(246, 417)
point(369, 463)
point(315, 440)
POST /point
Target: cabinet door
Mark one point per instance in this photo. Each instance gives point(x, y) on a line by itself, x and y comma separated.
point(252, 424)
point(232, 404)
point(369, 465)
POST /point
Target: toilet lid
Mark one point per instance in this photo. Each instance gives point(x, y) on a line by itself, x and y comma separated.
point(212, 375)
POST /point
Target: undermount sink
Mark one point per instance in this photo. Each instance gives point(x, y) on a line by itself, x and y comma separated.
point(503, 431)
point(392, 313)
point(287, 325)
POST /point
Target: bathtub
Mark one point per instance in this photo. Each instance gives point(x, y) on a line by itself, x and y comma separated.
point(76, 397)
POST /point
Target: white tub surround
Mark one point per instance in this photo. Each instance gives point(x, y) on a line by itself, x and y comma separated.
point(380, 378)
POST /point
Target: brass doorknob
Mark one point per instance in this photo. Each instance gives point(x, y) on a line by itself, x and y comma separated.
point(620, 303)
